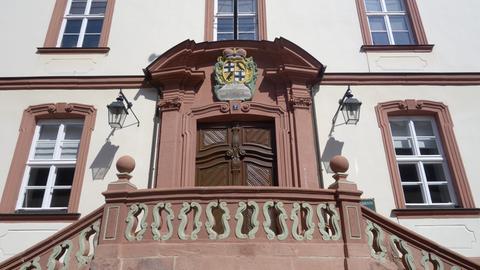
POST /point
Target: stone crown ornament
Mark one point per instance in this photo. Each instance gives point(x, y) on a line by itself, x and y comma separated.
point(235, 75)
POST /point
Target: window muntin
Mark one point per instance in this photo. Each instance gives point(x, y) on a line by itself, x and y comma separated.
point(422, 166)
point(50, 168)
point(246, 14)
point(388, 22)
point(82, 23)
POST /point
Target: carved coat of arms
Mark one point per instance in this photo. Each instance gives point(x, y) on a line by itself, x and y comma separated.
point(235, 76)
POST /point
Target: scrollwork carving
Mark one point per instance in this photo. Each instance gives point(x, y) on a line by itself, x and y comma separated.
point(375, 241)
point(242, 207)
point(83, 255)
point(401, 247)
point(59, 251)
point(132, 220)
point(308, 234)
point(157, 221)
point(31, 265)
point(430, 257)
point(330, 228)
point(186, 208)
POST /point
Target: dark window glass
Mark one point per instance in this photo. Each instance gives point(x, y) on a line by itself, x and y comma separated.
point(246, 36)
point(413, 194)
point(408, 172)
point(94, 26)
point(64, 176)
point(33, 198)
point(246, 6)
point(246, 24)
point(225, 6)
point(434, 172)
point(90, 41)
point(60, 198)
point(69, 41)
point(439, 194)
point(98, 7)
point(38, 176)
point(380, 38)
point(225, 25)
point(73, 26)
point(78, 7)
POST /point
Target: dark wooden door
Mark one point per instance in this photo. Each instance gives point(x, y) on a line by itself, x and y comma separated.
point(235, 154)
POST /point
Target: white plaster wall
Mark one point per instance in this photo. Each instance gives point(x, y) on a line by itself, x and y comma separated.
point(133, 140)
point(329, 30)
point(362, 145)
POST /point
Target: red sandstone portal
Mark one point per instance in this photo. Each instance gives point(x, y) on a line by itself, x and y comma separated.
point(282, 97)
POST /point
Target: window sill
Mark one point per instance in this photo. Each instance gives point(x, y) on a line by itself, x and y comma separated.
point(436, 212)
point(39, 216)
point(397, 48)
point(56, 50)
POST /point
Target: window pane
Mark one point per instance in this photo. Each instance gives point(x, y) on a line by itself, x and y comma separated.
point(377, 23)
point(373, 5)
point(423, 128)
point(413, 194)
point(73, 132)
point(64, 176)
point(33, 198)
point(246, 36)
point(69, 41)
point(434, 172)
point(78, 7)
point(94, 26)
point(246, 24)
point(225, 6)
point(380, 38)
point(402, 38)
point(247, 6)
point(408, 172)
point(428, 147)
point(225, 36)
point(403, 146)
point(44, 150)
point(38, 176)
point(400, 128)
point(48, 132)
point(394, 5)
point(90, 41)
point(98, 7)
point(399, 23)
point(60, 198)
point(73, 26)
point(225, 24)
point(69, 150)
point(439, 194)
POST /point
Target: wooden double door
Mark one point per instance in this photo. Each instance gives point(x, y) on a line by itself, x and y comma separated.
point(236, 154)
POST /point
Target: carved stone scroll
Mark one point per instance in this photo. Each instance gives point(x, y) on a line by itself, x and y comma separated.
point(31, 265)
point(157, 221)
point(430, 257)
point(329, 221)
point(401, 247)
point(60, 251)
point(83, 255)
point(375, 241)
point(212, 234)
point(242, 206)
point(308, 234)
point(186, 208)
point(268, 221)
point(132, 220)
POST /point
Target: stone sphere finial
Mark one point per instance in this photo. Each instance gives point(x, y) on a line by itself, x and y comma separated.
point(339, 164)
point(125, 164)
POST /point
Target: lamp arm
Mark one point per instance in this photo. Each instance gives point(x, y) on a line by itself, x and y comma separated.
point(129, 107)
point(340, 104)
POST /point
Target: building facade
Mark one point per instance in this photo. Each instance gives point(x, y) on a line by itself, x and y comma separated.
point(233, 101)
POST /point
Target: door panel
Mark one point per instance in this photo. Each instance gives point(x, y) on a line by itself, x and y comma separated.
point(241, 154)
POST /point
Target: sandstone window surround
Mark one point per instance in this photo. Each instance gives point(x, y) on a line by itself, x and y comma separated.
point(79, 26)
point(34, 116)
point(439, 114)
point(392, 25)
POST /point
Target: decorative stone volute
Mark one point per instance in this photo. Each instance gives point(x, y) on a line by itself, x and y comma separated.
point(125, 165)
point(339, 165)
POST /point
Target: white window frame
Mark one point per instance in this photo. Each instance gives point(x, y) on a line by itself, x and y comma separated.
point(53, 164)
point(386, 18)
point(83, 17)
point(419, 160)
point(231, 15)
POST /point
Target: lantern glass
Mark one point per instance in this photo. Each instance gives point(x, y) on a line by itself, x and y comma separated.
point(117, 113)
point(351, 111)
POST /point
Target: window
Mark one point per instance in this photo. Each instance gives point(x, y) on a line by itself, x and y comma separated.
point(424, 174)
point(423, 158)
point(48, 166)
point(235, 19)
point(79, 24)
point(391, 25)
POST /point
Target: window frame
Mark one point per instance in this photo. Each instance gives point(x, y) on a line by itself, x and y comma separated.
point(420, 160)
point(13, 186)
point(440, 113)
point(57, 25)
point(210, 20)
point(55, 163)
point(417, 31)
